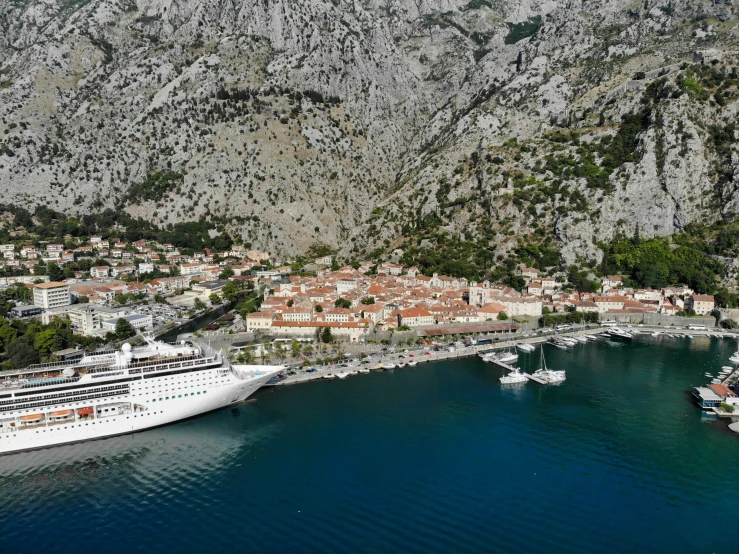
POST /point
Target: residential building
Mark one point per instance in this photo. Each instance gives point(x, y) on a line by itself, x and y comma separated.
point(51, 295)
point(702, 304)
point(99, 271)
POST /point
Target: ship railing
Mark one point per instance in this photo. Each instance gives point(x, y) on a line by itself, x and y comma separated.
point(174, 364)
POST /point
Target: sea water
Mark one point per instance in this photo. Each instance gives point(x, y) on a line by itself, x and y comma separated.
point(436, 458)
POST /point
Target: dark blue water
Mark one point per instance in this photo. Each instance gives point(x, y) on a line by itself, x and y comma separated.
point(432, 459)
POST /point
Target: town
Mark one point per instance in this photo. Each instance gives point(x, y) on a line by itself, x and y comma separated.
point(152, 285)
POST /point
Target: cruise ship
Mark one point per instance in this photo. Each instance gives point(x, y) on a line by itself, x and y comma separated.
point(119, 392)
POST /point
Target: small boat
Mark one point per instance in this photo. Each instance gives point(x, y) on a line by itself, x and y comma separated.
point(716, 381)
point(508, 357)
point(727, 368)
point(514, 377)
point(568, 341)
point(363, 370)
point(342, 374)
point(591, 338)
point(32, 418)
point(61, 414)
point(580, 338)
point(329, 376)
point(412, 363)
point(388, 366)
point(655, 334)
point(689, 336)
point(84, 412)
point(525, 347)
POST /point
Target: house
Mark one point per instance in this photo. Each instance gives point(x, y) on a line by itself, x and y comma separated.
point(99, 271)
point(610, 282)
point(701, 304)
point(490, 311)
point(259, 320)
point(524, 306)
point(608, 303)
point(529, 273)
point(414, 317)
point(586, 306)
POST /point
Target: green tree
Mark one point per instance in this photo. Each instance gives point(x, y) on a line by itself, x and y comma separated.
point(21, 353)
point(55, 273)
point(82, 299)
point(226, 273)
point(280, 351)
point(326, 335)
point(214, 299)
point(368, 300)
point(318, 308)
point(230, 292)
point(502, 316)
point(199, 304)
point(47, 341)
point(295, 348)
point(342, 303)
point(123, 329)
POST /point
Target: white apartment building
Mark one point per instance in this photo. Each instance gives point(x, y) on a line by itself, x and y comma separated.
point(146, 268)
point(99, 271)
point(51, 295)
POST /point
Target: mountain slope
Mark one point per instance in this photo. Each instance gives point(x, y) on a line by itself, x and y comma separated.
point(374, 124)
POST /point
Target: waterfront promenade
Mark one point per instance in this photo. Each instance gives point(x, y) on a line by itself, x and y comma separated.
point(377, 360)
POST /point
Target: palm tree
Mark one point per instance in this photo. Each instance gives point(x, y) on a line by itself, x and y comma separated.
point(280, 351)
point(246, 357)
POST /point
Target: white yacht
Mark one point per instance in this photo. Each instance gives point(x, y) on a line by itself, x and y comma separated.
point(525, 347)
point(514, 377)
point(120, 392)
point(619, 334)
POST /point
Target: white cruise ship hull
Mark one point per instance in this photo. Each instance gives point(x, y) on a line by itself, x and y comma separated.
point(151, 402)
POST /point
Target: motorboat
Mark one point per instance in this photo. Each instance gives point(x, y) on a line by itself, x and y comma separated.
point(343, 374)
point(619, 334)
point(591, 338)
point(568, 340)
point(508, 357)
point(514, 377)
point(388, 366)
point(580, 338)
point(557, 342)
point(412, 363)
point(655, 334)
point(525, 347)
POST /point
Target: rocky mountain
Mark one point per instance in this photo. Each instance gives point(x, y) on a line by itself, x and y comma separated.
point(366, 125)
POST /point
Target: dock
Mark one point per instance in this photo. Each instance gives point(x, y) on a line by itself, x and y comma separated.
point(537, 379)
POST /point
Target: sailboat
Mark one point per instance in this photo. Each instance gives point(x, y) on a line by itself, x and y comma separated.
point(547, 376)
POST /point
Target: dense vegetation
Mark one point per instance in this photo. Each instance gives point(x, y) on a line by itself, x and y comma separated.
point(23, 343)
point(154, 188)
point(47, 225)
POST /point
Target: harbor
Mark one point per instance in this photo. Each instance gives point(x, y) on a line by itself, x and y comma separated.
point(378, 359)
point(378, 461)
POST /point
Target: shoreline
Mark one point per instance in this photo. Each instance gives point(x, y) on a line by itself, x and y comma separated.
point(376, 362)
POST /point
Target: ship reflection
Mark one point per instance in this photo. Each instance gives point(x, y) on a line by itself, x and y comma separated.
point(203, 443)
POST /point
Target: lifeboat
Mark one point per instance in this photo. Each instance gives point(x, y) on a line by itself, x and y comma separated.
point(84, 411)
point(32, 418)
point(62, 413)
